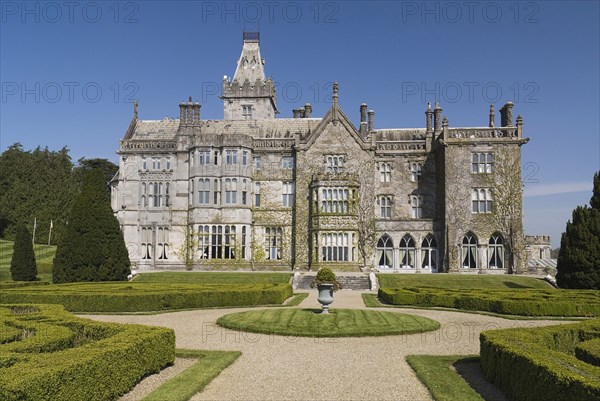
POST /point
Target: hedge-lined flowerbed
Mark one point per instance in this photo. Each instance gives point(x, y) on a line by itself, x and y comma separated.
point(62, 357)
point(138, 297)
point(589, 351)
point(526, 302)
point(539, 364)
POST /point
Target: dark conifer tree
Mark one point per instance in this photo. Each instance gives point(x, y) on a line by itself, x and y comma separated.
point(93, 248)
point(579, 256)
point(22, 265)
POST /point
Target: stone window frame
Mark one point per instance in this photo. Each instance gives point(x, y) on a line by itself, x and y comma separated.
point(482, 162)
point(287, 193)
point(482, 200)
point(334, 164)
point(416, 171)
point(335, 247)
point(287, 162)
point(273, 243)
point(385, 203)
point(385, 171)
point(416, 206)
point(247, 111)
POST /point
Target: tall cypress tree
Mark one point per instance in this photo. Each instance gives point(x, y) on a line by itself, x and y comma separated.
point(579, 256)
point(22, 264)
point(93, 248)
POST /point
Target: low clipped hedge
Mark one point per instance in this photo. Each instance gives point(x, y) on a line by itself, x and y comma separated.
point(61, 357)
point(139, 297)
point(539, 363)
point(589, 351)
point(526, 302)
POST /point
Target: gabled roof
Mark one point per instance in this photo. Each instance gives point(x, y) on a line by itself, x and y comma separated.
point(335, 115)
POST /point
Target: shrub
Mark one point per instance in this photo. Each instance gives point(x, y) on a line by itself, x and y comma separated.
point(589, 351)
point(89, 360)
point(530, 302)
point(22, 264)
point(538, 364)
point(137, 297)
point(326, 276)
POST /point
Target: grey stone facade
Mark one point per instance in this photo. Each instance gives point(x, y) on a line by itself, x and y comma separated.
point(253, 191)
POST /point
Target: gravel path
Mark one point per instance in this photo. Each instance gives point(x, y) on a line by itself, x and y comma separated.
point(293, 368)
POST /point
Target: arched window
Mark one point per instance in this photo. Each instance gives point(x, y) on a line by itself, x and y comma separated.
point(469, 251)
point(429, 253)
point(407, 252)
point(415, 171)
point(385, 252)
point(385, 170)
point(496, 252)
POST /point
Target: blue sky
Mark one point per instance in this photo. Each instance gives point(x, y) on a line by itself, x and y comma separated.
point(70, 71)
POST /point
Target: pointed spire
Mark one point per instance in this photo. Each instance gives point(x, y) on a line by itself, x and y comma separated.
point(335, 102)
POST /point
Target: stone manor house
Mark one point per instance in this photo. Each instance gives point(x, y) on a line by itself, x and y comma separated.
point(253, 191)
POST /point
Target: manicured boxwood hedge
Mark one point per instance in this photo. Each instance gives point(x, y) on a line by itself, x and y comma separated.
point(539, 363)
point(137, 297)
point(62, 357)
point(589, 351)
point(527, 302)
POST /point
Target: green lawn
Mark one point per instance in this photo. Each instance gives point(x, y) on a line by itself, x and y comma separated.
point(44, 255)
point(338, 323)
point(460, 281)
point(193, 380)
point(213, 278)
point(443, 383)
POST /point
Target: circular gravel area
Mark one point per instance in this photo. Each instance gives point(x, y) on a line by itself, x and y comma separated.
point(275, 368)
point(338, 323)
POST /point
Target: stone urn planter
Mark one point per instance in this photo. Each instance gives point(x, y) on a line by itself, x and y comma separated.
point(325, 297)
point(326, 284)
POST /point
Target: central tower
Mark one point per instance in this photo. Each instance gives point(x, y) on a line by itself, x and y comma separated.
point(249, 96)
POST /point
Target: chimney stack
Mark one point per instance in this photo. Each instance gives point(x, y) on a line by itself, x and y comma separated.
point(437, 120)
point(363, 118)
point(492, 116)
point(371, 121)
point(429, 119)
point(189, 113)
point(307, 110)
point(506, 115)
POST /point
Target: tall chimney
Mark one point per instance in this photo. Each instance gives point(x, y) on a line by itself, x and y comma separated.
point(509, 106)
point(437, 120)
point(371, 121)
point(429, 119)
point(363, 118)
point(492, 116)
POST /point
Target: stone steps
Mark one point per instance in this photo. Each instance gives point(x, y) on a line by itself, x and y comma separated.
point(354, 282)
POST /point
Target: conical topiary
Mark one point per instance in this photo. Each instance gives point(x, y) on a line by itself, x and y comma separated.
point(93, 248)
point(22, 264)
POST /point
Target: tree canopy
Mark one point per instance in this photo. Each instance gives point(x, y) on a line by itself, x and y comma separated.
point(579, 255)
point(41, 184)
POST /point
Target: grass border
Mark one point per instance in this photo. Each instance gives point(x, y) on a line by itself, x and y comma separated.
point(443, 383)
point(195, 378)
point(373, 301)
